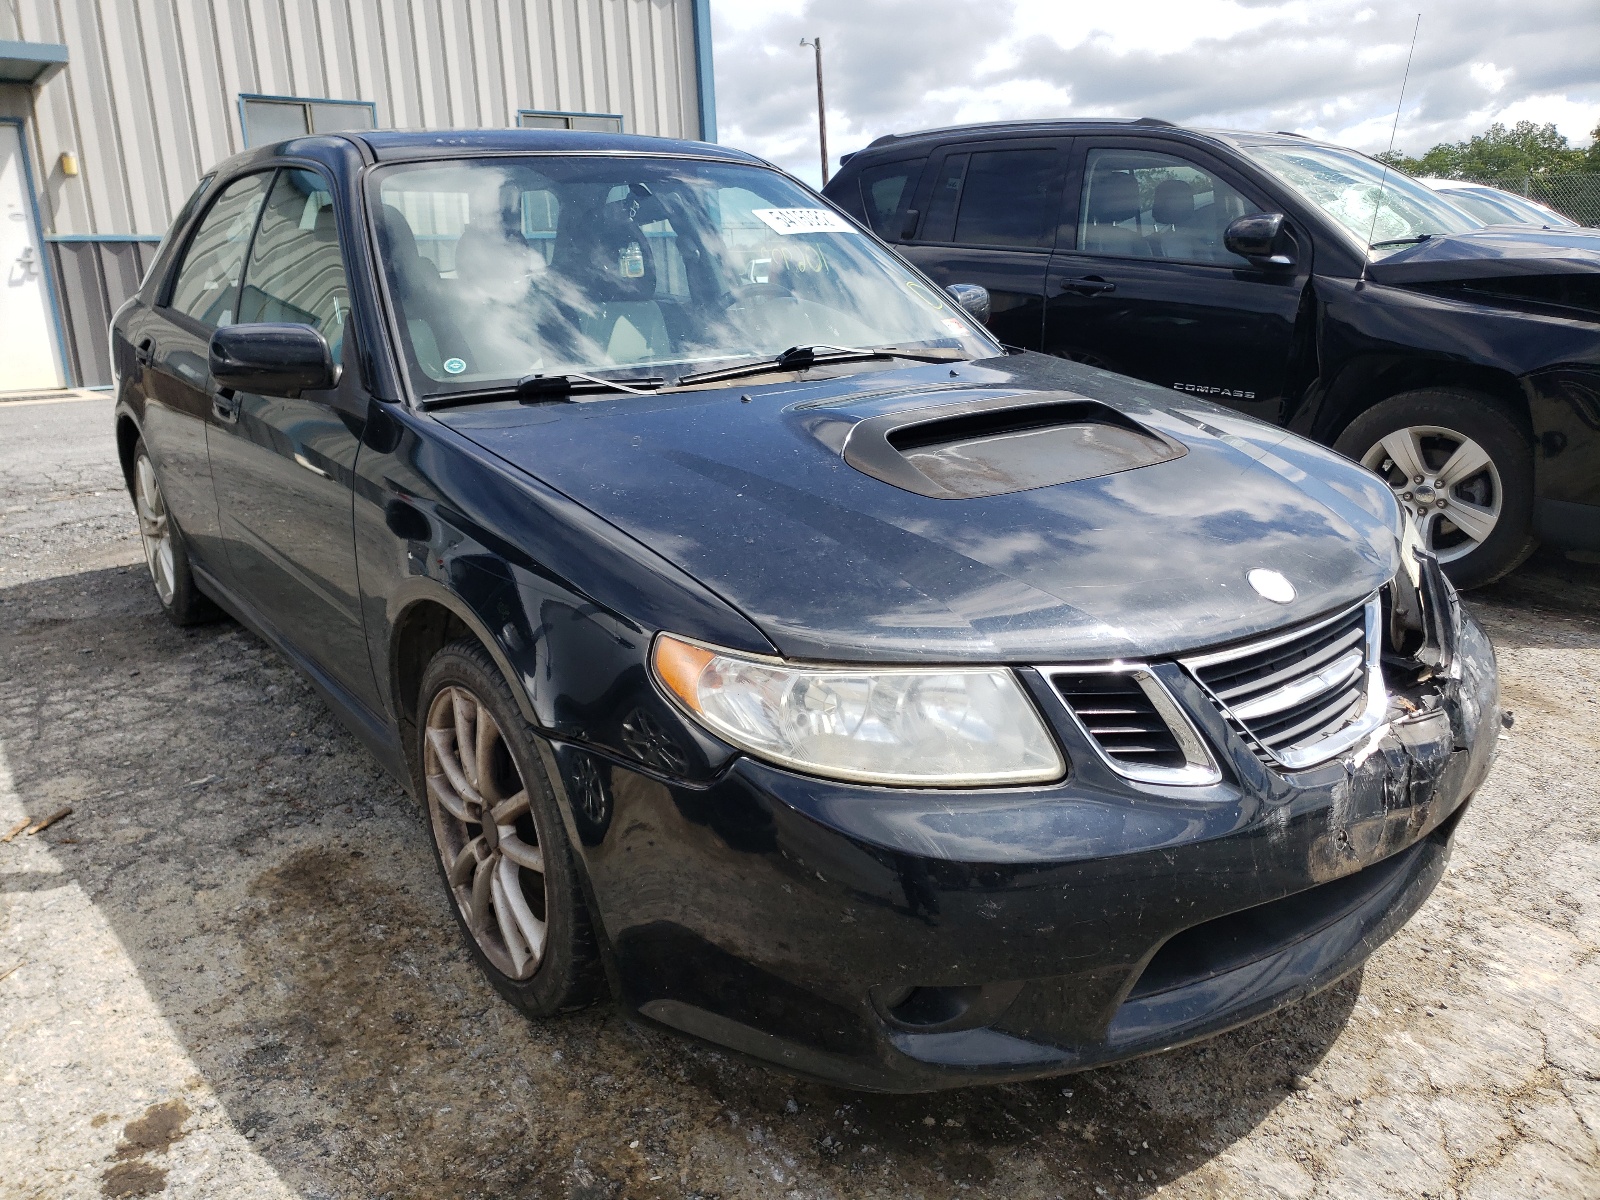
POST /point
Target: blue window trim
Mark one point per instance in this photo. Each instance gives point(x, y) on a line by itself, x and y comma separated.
point(622, 122)
point(47, 268)
point(705, 75)
point(34, 63)
point(244, 128)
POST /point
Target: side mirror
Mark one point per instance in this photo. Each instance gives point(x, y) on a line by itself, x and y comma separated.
point(1260, 238)
point(272, 360)
point(973, 299)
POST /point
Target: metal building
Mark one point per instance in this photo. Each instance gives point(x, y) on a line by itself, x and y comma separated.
point(111, 110)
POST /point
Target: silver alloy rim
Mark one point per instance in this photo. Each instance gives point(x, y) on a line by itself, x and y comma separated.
point(1445, 481)
point(155, 530)
point(484, 829)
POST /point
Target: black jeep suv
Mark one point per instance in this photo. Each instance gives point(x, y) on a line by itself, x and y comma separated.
point(1295, 281)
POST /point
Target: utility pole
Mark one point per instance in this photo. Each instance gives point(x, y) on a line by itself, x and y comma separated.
point(822, 107)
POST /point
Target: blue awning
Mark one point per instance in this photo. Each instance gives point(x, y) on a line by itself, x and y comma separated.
point(30, 62)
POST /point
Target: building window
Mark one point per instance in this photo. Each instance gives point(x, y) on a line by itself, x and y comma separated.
point(528, 118)
point(269, 119)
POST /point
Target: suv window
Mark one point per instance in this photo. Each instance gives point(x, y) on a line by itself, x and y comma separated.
point(886, 193)
point(996, 198)
point(1142, 204)
point(296, 273)
point(1010, 198)
point(207, 284)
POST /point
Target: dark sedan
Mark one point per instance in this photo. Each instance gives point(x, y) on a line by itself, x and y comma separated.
point(763, 643)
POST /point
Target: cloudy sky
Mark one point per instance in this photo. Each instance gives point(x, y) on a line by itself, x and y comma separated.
point(1329, 68)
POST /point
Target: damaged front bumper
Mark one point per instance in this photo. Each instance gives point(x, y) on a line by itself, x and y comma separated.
point(906, 941)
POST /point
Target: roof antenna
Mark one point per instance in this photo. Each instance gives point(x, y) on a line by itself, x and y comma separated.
point(1383, 180)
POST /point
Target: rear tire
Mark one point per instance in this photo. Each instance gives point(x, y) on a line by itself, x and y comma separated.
point(1450, 453)
point(496, 826)
point(165, 552)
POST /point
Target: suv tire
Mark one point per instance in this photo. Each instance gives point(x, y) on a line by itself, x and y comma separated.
point(1475, 463)
point(537, 945)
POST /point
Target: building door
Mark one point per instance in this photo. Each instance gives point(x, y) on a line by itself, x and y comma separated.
point(1147, 288)
point(26, 329)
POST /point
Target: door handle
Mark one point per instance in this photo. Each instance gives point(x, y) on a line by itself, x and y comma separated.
point(145, 352)
point(1093, 285)
point(225, 406)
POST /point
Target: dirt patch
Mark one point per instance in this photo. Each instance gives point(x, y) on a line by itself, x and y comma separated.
point(132, 1179)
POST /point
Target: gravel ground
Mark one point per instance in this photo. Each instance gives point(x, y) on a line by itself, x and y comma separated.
point(232, 972)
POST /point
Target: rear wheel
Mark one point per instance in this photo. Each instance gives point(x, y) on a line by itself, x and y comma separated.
point(1463, 470)
point(502, 847)
point(164, 550)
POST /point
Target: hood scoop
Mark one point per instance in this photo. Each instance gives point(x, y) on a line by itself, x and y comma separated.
point(1003, 444)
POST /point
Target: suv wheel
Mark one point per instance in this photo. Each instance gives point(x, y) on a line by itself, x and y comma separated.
point(502, 847)
point(164, 550)
point(1461, 468)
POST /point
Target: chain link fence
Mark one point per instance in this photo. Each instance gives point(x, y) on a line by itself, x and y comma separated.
point(1575, 194)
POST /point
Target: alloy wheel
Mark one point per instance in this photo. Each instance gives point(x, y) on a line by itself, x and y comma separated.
point(484, 829)
point(155, 529)
point(1446, 482)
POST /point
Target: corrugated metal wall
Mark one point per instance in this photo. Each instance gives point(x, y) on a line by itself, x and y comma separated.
point(92, 280)
point(149, 99)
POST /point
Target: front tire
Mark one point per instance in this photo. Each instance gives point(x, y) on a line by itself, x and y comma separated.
point(1462, 468)
point(502, 847)
point(165, 551)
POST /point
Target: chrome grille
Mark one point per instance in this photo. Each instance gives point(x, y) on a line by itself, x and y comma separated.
point(1135, 724)
point(1304, 696)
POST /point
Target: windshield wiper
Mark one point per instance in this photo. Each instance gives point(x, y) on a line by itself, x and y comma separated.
point(798, 358)
point(1405, 241)
point(533, 389)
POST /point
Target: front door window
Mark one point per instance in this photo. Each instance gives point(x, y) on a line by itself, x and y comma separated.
point(1144, 204)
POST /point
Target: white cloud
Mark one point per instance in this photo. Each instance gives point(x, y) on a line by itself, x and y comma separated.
point(1328, 68)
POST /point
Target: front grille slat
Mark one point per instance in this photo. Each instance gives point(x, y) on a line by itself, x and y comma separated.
point(1288, 672)
point(1120, 717)
point(1300, 702)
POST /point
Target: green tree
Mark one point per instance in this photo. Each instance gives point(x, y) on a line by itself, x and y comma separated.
point(1591, 156)
point(1523, 149)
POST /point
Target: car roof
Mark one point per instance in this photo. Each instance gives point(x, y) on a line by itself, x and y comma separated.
point(388, 145)
point(1152, 125)
point(394, 145)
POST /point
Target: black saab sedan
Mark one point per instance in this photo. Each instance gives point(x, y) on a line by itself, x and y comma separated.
point(766, 646)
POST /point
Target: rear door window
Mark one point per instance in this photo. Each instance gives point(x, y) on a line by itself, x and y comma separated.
point(1010, 198)
point(886, 194)
point(1004, 198)
point(207, 284)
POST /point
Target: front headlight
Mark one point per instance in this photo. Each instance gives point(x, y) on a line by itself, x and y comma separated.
point(911, 726)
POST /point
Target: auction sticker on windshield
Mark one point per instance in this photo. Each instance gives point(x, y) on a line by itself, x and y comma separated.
point(802, 220)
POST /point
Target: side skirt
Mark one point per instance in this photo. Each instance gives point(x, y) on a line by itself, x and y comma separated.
point(377, 733)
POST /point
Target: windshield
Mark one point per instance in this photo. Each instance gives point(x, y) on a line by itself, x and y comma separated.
point(634, 267)
point(1346, 186)
point(1499, 208)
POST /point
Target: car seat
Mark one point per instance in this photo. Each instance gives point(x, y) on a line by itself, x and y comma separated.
point(1113, 198)
point(612, 267)
point(1178, 233)
point(414, 286)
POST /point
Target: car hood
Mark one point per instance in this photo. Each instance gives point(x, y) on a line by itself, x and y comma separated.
point(1494, 252)
point(748, 490)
